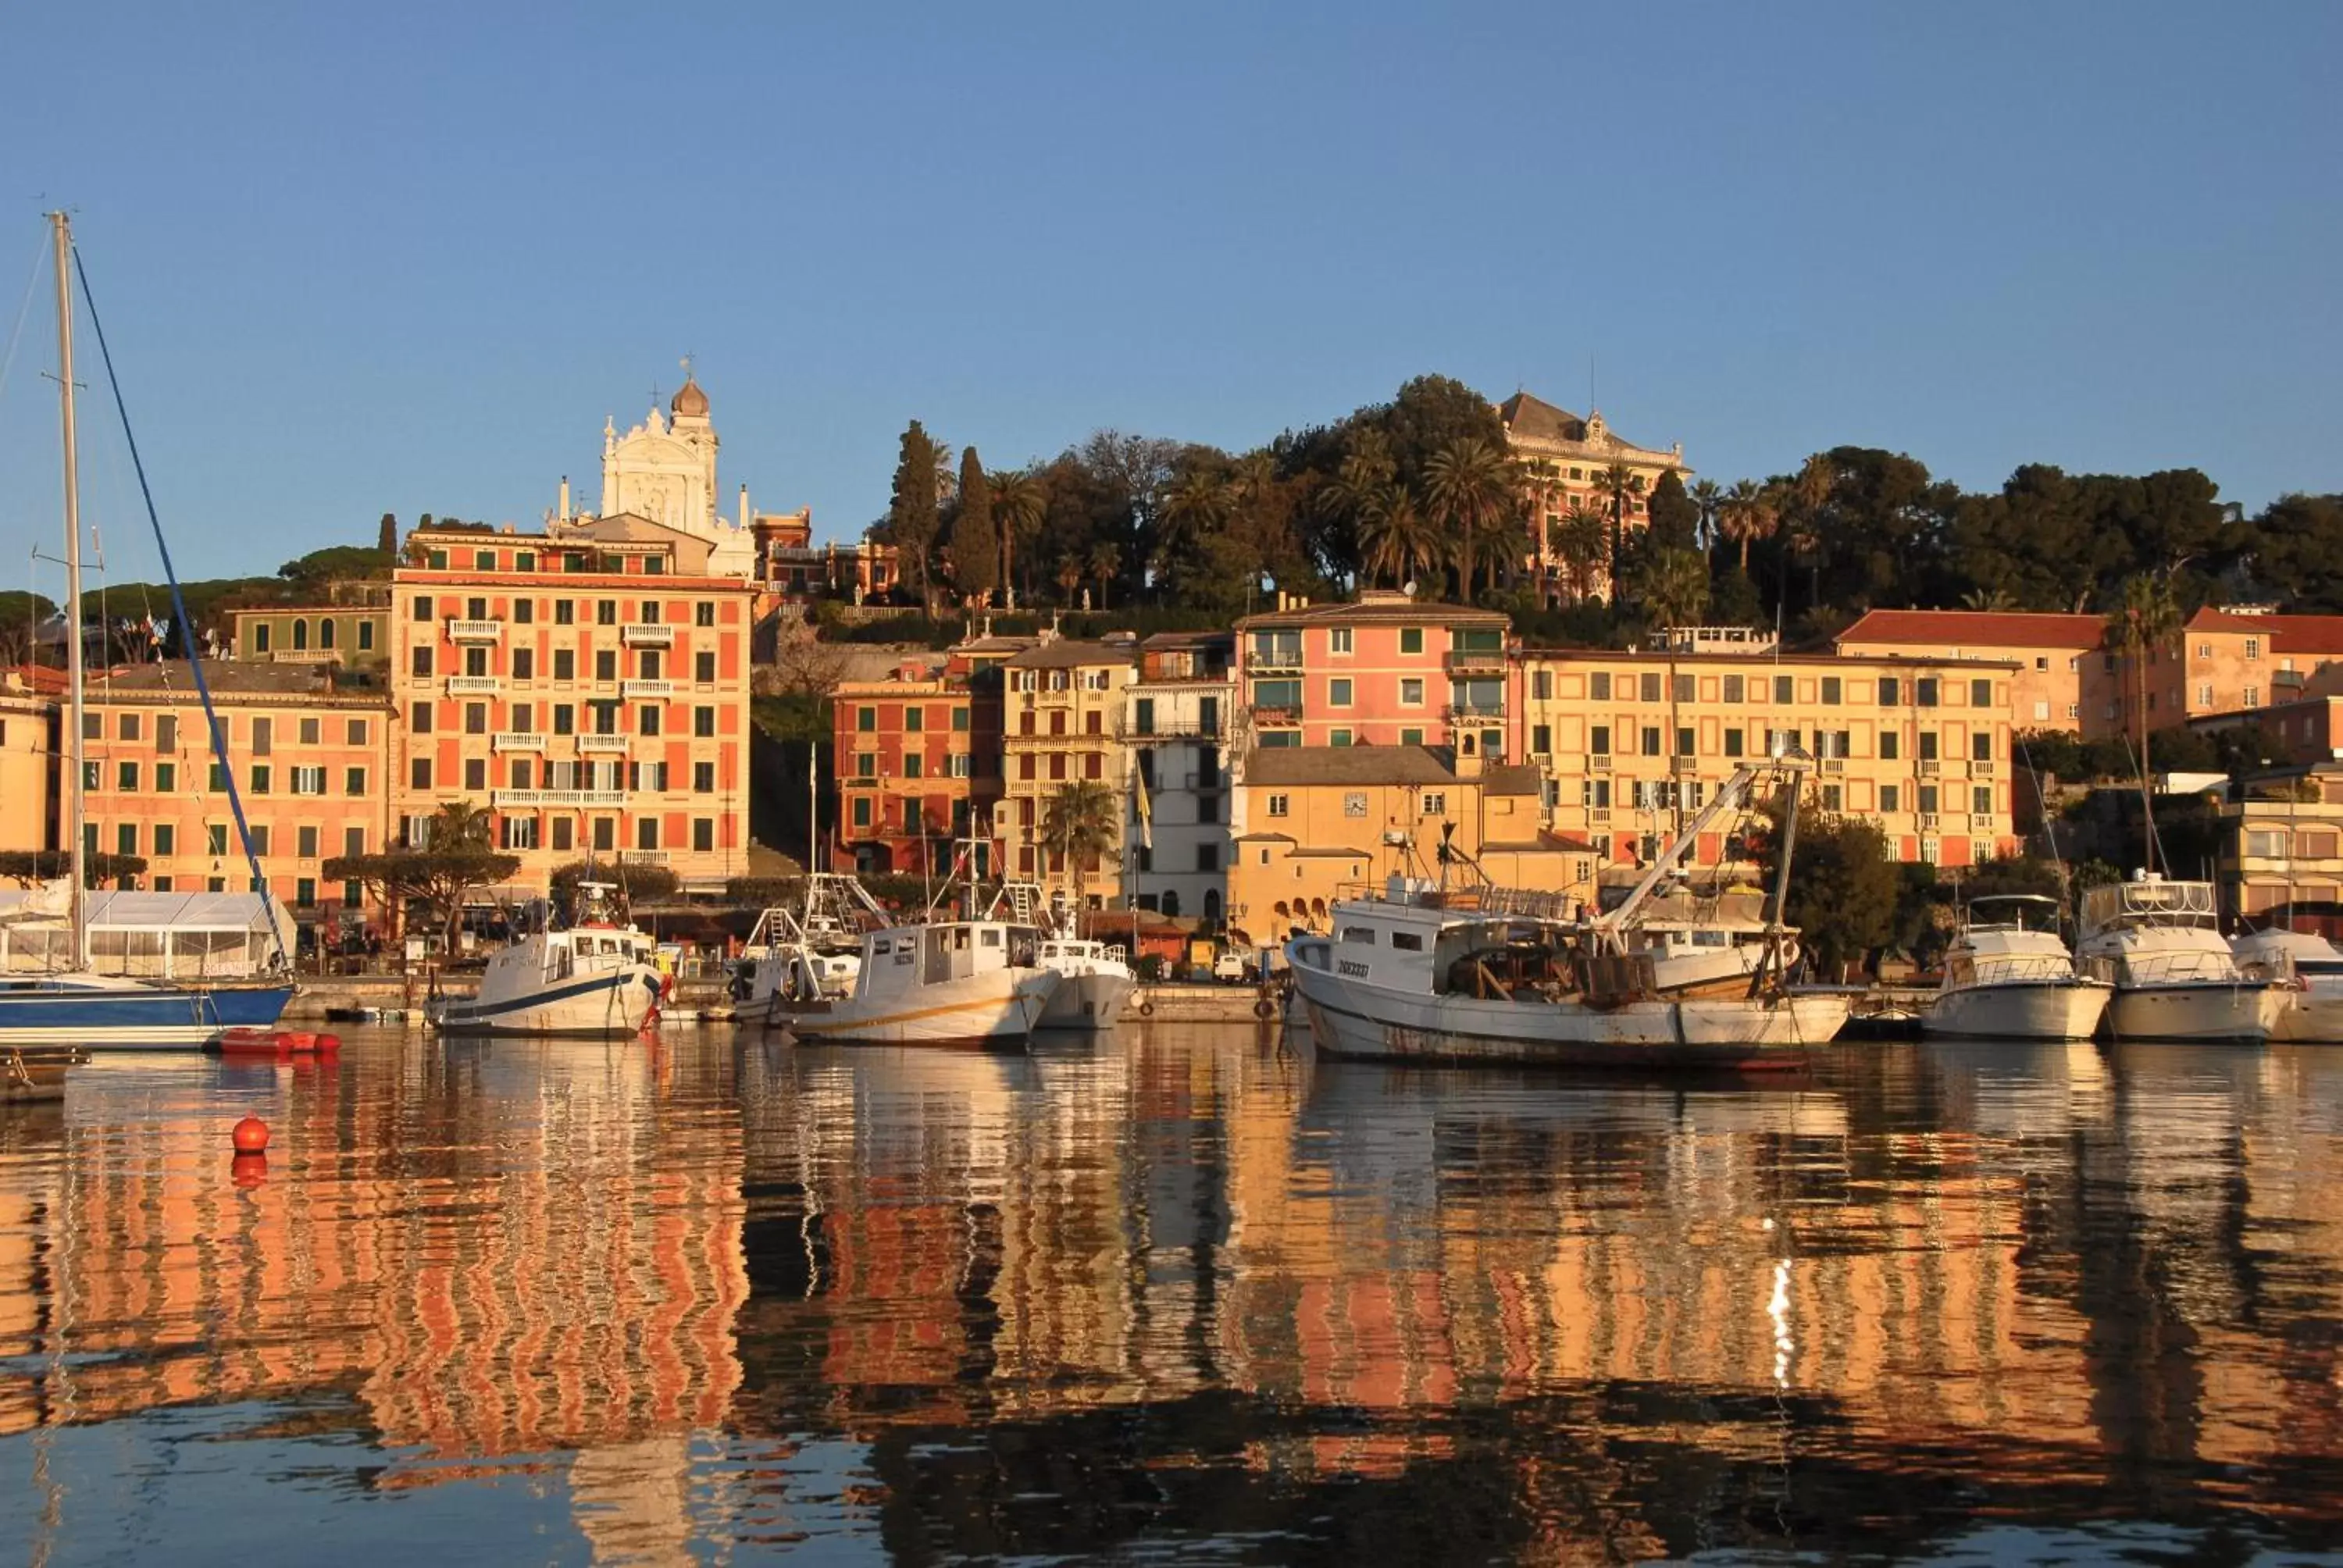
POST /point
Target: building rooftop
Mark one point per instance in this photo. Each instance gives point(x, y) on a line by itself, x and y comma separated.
point(1068, 655)
point(1379, 605)
point(1530, 421)
point(1978, 628)
point(2303, 634)
point(1350, 765)
point(175, 680)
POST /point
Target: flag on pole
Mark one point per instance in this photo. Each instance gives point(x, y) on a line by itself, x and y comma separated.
point(1146, 808)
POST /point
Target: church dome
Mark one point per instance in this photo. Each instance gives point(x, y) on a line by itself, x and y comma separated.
point(690, 402)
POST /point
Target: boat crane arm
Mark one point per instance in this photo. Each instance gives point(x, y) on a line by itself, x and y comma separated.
point(1729, 797)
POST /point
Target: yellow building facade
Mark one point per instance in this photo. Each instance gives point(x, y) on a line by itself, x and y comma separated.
point(27, 766)
point(1061, 721)
point(1635, 743)
point(1319, 820)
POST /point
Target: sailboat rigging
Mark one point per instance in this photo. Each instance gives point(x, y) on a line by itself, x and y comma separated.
point(79, 1006)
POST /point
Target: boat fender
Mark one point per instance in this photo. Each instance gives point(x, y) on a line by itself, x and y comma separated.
point(1147, 1010)
point(1264, 1008)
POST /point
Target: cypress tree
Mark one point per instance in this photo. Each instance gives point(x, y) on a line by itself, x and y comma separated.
point(911, 512)
point(386, 541)
point(975, 545)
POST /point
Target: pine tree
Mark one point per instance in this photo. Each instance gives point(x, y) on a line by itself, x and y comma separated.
point(975, 545)
point(911, 519)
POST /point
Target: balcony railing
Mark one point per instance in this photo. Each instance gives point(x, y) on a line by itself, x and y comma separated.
point(1598, 816)
point(1831, 764)
point(642, 856)
point(646, 634)
point(1928, 821)
point(1276, 714)
point(647, 688)
point(1929, 767)
point(604, 742)
point(1681, 765)
point(517, 740)
point(517, 799)
point(1475, 661)
point(306, 656)
point(1469, 710)
point(1980, 770)
point(473, 684)
point(475, 631)
point(1276, 661)
point(1600, 762)
point(1170, 729)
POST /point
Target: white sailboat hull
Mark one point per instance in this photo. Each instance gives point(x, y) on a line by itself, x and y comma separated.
point(996, 1010)
point(2213, 1011)
point(2029, 1010)
point(1349, 1017)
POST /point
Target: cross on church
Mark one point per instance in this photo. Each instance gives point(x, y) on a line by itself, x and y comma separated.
point(688, 357)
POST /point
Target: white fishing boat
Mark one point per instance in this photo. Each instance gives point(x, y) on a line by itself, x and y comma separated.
point(812, 949)
point(2306, 975)
point(2159, 941)
point(974, 984)
point(1095, 982)
point(1714, 956)
point(1422, 971)
point(591, 977)
point(2007, 980)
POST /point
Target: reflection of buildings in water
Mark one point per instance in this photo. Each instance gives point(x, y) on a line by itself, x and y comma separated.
point(1435, 1240)
point(529, 1269)
point(960, 1221)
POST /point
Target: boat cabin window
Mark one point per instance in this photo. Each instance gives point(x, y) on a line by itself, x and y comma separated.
point(1407, 941)
point(1359, 934)
point(882, 947)
point(1711, 939)
point(992, 936)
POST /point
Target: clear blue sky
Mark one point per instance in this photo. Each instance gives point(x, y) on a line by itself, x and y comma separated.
point(408, 258)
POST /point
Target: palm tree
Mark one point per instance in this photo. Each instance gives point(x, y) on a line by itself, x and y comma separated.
point(460, 825)
point(1018, 505)
point(1672, 588)
point(1470, 484)
point(1193, 509)
point(1617, 485)
point(1583, 541)
point(1808, 494)
point(1398, 542)
point(1987, 599)
point(1709, 497)
point(2148, 620)
point(1747, 513)
point(1070, 577)
point(1106, 565)
point(1366, 471)
point(1082, 825)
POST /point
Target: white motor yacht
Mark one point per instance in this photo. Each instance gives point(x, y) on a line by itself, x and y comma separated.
point(2007, 979)
point(2174, 978)
point(594, 977)
point(2306, 972)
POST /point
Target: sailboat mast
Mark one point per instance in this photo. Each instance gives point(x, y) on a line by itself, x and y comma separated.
point(77, 805)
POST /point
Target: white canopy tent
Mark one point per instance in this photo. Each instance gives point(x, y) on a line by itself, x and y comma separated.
point(166, 936)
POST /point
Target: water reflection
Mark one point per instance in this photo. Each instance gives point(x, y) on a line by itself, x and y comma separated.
point(1185, 1291)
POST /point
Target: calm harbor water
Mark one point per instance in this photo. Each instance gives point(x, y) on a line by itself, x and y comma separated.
point(1184, 1295)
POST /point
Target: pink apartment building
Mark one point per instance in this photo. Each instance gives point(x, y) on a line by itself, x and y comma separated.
point(1386, 669)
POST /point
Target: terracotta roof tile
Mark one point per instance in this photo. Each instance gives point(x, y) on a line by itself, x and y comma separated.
point(1977, 628)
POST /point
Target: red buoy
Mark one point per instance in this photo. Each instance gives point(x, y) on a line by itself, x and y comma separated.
point(251, 1136)
point(327, 1044)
